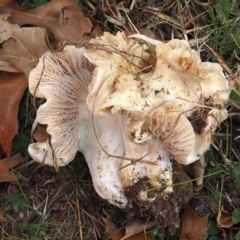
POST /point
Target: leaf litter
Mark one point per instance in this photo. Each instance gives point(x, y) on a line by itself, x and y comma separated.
point(25, 35)
point(22, 47)
point(62, 18)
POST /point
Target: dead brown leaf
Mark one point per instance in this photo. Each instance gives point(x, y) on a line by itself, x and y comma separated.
point(12, 87)
point(2, 218)
point(134, 230)
point(136, 227)
point(112, 231)
point(7, 67)
point(5, 29)
point(193, 226)
point(225, 221)
point(96, 30)
point(22, 47)
point(5, 166)
point(3, 2)
point(41, 135)
point(61, 17)
point(140, 236)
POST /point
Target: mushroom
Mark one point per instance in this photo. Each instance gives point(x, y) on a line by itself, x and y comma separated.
point(145, 106)
point(65, 109)
point(64, 84)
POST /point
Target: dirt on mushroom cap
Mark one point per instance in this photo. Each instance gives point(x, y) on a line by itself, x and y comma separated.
point(163, 209)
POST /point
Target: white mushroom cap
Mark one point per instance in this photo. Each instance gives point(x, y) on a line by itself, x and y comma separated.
point(41, 152)
point(62, 79)
point(180, 82)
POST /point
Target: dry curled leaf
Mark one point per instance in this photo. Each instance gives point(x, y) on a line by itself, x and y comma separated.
point(5, 166)
point(193, 226)
point(22, 47)
point(62, 18)
point(12, 87)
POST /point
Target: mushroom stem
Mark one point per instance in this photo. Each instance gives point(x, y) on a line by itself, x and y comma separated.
point(103, 165)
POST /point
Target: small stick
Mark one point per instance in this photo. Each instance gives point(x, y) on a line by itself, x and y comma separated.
point(79, 218)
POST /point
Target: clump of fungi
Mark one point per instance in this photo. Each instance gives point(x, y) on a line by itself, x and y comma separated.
point(147, 108)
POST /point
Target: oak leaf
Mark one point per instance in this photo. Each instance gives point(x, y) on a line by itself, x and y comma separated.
point(193, 226)
point(3, 2)
point(22, 47)
point(7, 67)
point(5, 166)
point(62, 18)
point(12, 87)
